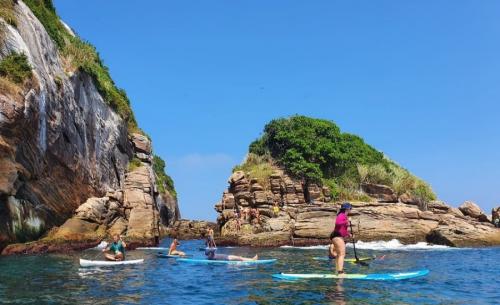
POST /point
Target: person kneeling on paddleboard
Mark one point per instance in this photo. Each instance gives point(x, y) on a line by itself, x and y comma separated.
point(173, 248)
point(117, 249)
point(339, 234)
point(210, 253)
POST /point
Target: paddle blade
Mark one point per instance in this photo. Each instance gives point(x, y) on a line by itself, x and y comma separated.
point(362, 263)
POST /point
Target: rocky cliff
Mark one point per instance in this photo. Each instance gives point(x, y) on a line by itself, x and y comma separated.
point(65, 146)
point(281, 214)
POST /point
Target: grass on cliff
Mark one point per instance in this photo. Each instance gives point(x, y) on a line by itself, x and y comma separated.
point(257, 167)
point(15, 67)
point(7, 12)
point(163, 181)
point(80, 55)
point(316, 151)
point(134, 164)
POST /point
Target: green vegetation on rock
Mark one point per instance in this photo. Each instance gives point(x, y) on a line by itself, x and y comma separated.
point(134, 164)
point(15, 68)
point(163, 181)
point(7, 12)
point(80, 55)
point(259, 167)
point(316, 151)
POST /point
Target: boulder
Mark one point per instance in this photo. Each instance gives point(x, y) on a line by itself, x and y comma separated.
point(260, 197)
point(256, 187)
point(456, 232)
point(471, 209)
point(93, 210)
point(228, 214)
point(314, 191)
point(228, 201)
point(191, 229)
point(118, 227)
point(291, 199)
point(141, 224)
point(78, 229)
point(381, 192)
point(236, 176)
point(141, 143)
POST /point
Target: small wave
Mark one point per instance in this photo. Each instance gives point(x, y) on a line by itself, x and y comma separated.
point(380, 245)
point(84, 272)
point(395, 244)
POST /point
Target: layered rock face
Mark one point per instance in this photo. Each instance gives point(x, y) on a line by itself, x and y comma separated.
point(276, 217)
point(61, 144)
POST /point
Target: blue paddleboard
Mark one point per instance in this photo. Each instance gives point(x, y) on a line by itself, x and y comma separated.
point(221, 262)
point(164, 255)
point(368, 277)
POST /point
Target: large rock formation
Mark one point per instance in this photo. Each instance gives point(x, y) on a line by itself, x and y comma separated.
point(189, 229)
point(64, 152)
point(306, 222)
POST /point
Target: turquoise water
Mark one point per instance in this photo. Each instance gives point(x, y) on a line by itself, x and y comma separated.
point(458, 276)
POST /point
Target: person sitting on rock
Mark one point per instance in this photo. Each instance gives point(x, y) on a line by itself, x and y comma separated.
point(211, 255)
point(116, 249)
point(237, 219)
point(173, 248)
point(496, 222)
point(246, 214)
point(256, 215)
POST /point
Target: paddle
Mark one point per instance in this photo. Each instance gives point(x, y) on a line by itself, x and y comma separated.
point(354, 246)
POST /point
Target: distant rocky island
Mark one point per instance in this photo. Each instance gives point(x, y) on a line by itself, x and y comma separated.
point(75, 167)
point(288, 190)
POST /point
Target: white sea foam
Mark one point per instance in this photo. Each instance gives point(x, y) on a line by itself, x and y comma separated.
point(381, 246)
point(306, 247)
point(84, 272)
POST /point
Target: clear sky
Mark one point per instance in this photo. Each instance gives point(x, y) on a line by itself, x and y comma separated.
point(418, 80)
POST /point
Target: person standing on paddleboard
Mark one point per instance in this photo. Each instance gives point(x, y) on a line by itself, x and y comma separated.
point(339, 234)
point(117, 249)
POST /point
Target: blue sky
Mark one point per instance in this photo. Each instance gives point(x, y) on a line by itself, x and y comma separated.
point(418, 81)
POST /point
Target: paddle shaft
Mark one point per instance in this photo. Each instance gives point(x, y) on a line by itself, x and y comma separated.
point(354, 246)
point(353, 243)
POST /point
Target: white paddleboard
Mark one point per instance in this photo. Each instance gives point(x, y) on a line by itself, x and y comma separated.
point(89, 263)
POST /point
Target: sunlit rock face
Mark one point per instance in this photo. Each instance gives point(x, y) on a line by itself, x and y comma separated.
point(60, 143)
point(285, 212)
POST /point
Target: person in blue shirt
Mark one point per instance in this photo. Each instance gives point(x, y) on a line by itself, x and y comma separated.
point(116, 249)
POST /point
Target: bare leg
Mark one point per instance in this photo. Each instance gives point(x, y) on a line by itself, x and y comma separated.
point(110, 257)
point(241, 258)
point(340, 248)
point(119, 256)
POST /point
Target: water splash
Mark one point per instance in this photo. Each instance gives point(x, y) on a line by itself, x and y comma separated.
point(393, 244)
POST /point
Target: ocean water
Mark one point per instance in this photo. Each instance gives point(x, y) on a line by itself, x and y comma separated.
point(457, 276)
